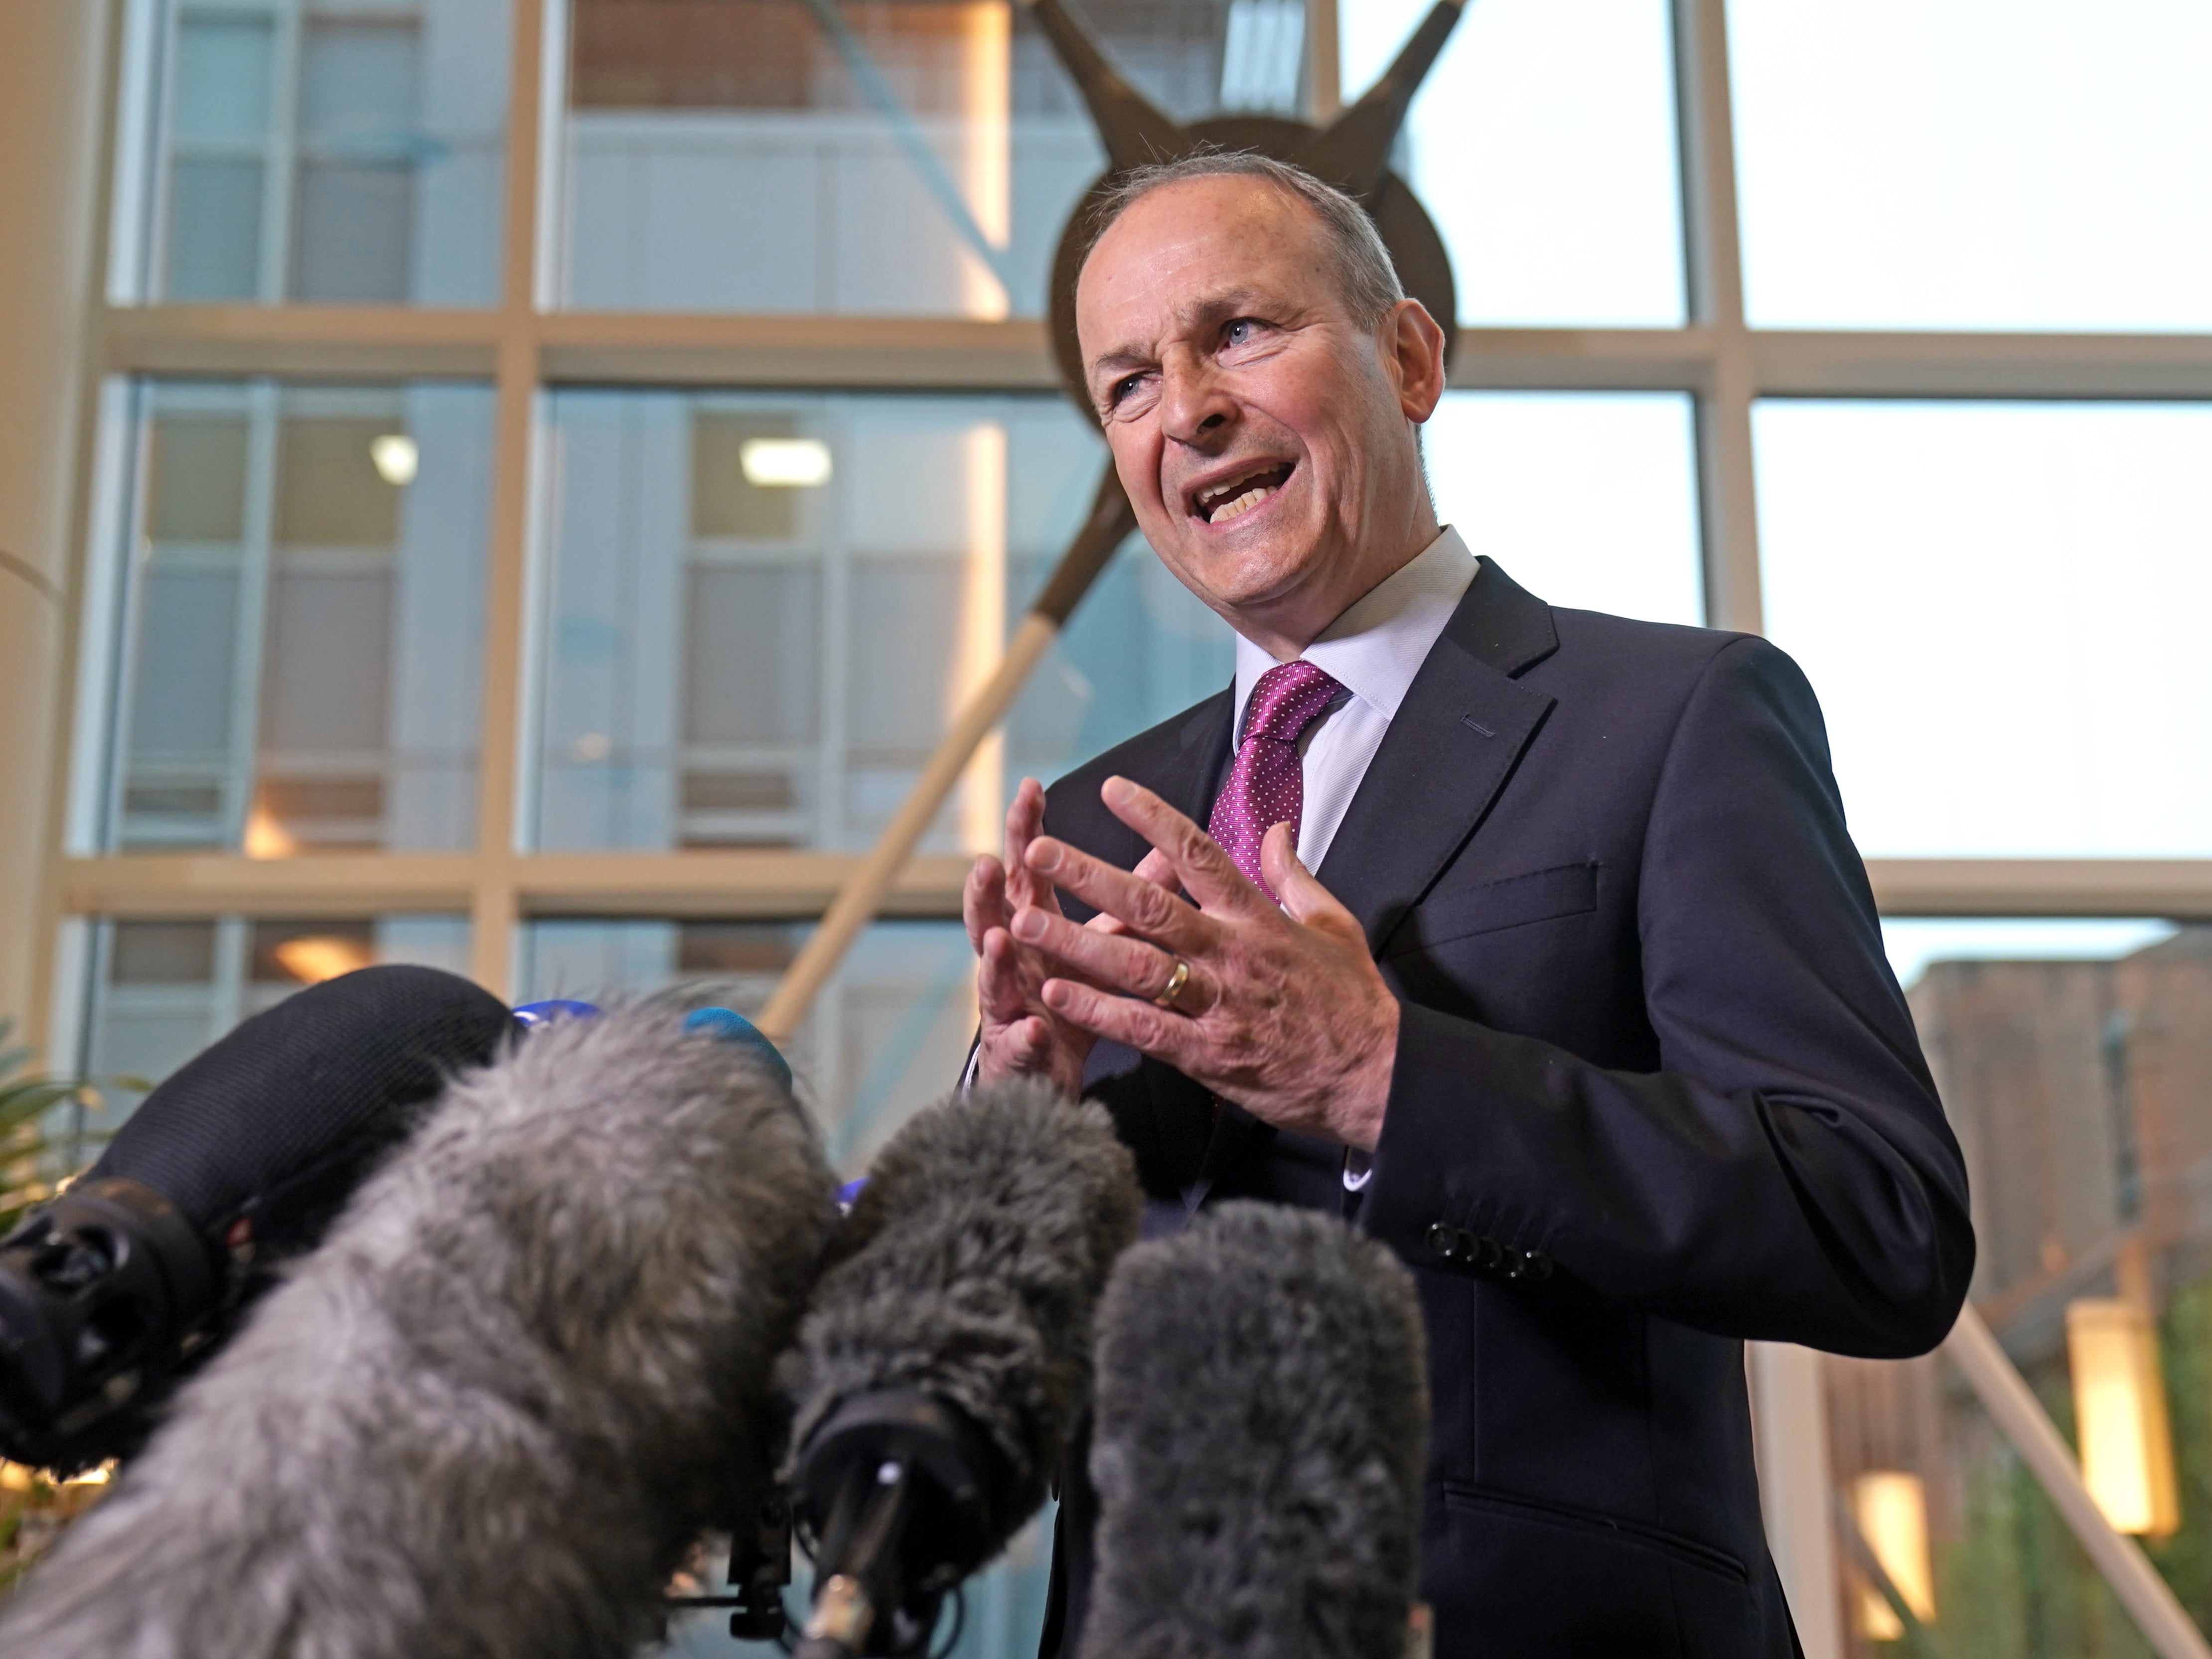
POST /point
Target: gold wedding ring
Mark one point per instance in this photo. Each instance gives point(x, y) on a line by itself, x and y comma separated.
point(1176, 981)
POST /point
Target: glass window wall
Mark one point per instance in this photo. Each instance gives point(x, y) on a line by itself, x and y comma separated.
point(300, 618)
point(916, 159)
point(324, 151)
point(763, 609)
point(1974, 164)
point(160, 989)
point(1542, 143)
point(2001, 605)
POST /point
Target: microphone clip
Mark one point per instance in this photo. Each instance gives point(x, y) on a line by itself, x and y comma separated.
point(101, 1290)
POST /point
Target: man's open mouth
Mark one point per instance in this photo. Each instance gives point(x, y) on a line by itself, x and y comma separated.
point(1234, 497)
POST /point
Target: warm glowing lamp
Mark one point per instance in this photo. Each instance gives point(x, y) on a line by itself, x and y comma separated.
point(785, 463)
point(266, 838)
point(1891, 1508)
point(318, 957)
point(2119, 1415)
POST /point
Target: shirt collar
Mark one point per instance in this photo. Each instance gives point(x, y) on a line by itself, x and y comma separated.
point(1375, 648)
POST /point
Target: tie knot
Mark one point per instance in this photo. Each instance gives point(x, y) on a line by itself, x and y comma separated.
point(1286, 699)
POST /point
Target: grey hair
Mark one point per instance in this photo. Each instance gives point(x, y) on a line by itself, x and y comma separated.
point(1366, 279)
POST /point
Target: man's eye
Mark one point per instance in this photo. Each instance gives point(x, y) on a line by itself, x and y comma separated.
point(1240, 332)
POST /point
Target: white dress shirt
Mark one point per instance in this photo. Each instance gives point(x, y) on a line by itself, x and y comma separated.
point(1373, 651)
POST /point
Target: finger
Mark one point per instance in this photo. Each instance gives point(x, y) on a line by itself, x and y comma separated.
point(1000, 997)
point(1140, 1025)
point(1208, 874)
point(1023, 1047)
point(1142, 907)
point(1156, 867)
point(1113, 962)
point(1304, 899)
point(1153, 867)
point(983, 899)
point(1024, 823)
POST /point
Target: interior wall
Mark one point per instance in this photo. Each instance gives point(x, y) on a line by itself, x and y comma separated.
point(51, 100)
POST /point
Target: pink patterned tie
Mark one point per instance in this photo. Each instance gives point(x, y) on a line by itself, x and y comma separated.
point(1267, 784)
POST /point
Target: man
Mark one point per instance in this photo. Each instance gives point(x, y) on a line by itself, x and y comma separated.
point(1575, 994)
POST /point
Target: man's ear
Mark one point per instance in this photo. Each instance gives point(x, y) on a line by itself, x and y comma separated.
point(1414, 346)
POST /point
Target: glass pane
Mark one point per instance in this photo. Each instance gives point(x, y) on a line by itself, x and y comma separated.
point(162, 990)
point(914, 159)
point(302, 619)
point(2001, 607)
point(1585, 501)
point(349, 155)
point(2069, 1057)
point(1543, 146)
point(764, 608)
point(1974, 163)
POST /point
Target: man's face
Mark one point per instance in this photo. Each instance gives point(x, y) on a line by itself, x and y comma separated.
point(1265, 438)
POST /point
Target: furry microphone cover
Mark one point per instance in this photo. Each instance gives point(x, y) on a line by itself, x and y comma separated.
point(969, 1269)
point(1261, 1423)
point(487, 1417)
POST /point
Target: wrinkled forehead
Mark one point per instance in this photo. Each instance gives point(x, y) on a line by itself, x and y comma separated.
point(1174, 256)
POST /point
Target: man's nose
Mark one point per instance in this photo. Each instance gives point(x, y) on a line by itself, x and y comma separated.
point(1196, 407)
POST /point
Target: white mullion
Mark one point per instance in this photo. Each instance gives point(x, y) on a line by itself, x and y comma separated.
point(495, 908)
point(288, 46)
point(263, 406)
point(1728, 511)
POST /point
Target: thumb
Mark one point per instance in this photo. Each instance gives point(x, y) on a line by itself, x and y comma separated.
point(1304, 899)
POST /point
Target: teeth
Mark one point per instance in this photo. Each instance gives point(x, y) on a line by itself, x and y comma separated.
point(1243, 504)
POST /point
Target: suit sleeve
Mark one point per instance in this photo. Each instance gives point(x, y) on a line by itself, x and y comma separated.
point(1788, 1174)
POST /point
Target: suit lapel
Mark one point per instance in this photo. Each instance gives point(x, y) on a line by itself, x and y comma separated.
point(1455, 741)
point(1192, 777)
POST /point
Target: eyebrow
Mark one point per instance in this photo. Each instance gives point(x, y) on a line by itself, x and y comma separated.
point(1218, 307)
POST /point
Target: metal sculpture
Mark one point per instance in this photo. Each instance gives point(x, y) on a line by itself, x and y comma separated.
point(1353, 152)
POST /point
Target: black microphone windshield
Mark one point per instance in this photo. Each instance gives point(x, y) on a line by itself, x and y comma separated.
point(1260, 1432)
point(327, 1075)
point(487, 1417)
point(949, 1339)
point(112, 1292)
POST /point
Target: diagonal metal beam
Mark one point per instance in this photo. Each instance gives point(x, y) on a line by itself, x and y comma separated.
point(1135, 130)
point(2020, 1416)
point(1353, 151)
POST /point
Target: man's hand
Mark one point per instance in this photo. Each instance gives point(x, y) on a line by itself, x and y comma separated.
point(1021, 1035)
point(1284, 1012)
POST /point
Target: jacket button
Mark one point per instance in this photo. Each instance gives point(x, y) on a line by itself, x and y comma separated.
point(1538, 1268)
point(1443, 1240)
point(1483, 1252)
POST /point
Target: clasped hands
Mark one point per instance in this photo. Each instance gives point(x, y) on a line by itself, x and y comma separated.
point(1282, 1011)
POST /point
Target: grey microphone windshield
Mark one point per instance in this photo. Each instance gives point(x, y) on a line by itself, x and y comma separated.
point(1260, 1427)
point(528, 1365)
point(947, 1352)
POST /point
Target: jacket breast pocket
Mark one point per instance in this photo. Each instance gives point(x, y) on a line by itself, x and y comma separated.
point(1565, 890)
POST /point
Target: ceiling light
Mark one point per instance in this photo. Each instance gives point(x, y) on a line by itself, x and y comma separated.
point(785, 463)
point(319, 956)
point(396, 458)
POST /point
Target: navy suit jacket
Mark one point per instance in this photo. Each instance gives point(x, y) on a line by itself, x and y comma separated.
point(1655, 1091)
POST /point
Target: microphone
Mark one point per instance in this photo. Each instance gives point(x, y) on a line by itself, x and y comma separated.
point(947, 1353)
point(110, 1292)
point(1261, 1423)
point(530, 1364)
